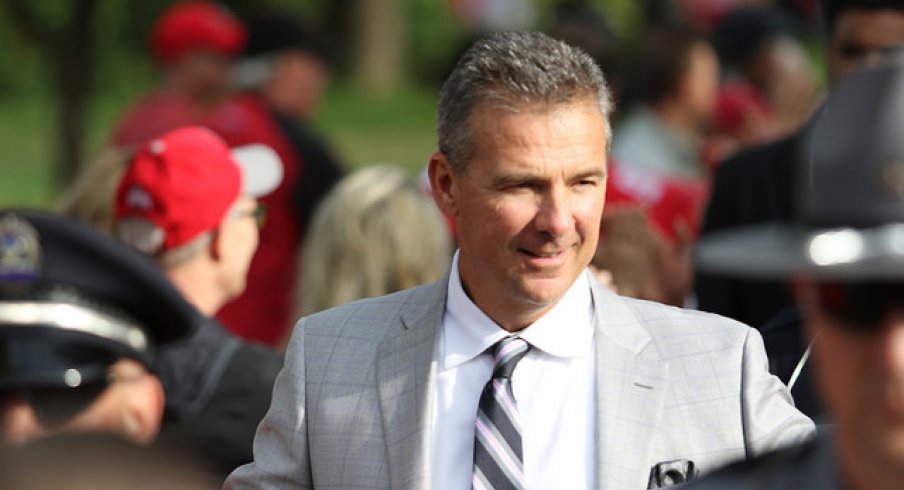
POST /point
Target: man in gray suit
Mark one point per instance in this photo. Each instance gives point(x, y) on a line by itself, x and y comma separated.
point(845, 250)
point(612, 392)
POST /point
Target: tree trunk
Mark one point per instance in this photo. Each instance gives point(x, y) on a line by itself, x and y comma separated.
point(379, 45)
point(75, 56)
point(72, 50)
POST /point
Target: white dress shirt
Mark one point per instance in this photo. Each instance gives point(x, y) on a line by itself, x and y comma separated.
point(553, 387)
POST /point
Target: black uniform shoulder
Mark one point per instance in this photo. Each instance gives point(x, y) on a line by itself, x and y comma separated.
point(764, 159)
point(800, 467)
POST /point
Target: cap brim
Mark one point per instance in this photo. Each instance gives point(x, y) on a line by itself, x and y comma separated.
point(262, 169)
point(780, 251)
point(42, 356)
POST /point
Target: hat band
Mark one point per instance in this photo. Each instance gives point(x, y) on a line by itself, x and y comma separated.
point(67, 316)
point(849, 245)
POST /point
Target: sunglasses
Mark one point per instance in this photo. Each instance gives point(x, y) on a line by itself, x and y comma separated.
point(855, 51)
point(860, 306)
point(54, 406)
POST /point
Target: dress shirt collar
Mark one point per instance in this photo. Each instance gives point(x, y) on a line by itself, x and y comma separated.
point(468, 331)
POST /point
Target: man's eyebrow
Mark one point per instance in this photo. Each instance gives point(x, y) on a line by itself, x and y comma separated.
point(514, 178)
point(590, 173)
point(528, 178)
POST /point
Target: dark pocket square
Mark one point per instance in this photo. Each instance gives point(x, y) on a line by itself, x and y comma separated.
point(670, 473)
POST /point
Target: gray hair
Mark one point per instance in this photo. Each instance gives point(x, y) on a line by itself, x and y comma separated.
point(147, 238)
point(514, 69)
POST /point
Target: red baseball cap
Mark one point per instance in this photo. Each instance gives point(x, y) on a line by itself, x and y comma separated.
point(191, 26)
point(185, 181)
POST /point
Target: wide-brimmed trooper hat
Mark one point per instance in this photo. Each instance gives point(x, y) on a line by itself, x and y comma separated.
point(73, 301)
point(849, 216)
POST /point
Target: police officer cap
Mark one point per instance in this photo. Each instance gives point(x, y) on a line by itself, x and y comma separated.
point(73, 300)
point(849, 218)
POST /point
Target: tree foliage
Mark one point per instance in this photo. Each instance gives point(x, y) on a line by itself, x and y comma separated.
point(83, 53)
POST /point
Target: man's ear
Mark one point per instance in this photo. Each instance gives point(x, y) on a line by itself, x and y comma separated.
point(442, 182)
point(216, 243)
point(144, 404)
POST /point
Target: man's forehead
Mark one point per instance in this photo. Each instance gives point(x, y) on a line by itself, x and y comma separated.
point(859, 35)
point(495, 112)
point(873, 24)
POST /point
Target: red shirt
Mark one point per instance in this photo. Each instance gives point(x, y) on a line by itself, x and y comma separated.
point(154, 114)
point(665, 199)
point(264, 312)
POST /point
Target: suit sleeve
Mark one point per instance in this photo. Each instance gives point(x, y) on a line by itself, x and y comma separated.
point(768, 413)
point(281, 452)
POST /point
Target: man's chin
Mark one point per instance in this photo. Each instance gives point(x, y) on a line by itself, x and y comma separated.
point(544, 292)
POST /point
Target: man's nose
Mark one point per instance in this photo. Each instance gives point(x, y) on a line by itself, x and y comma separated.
point(555, 215)
point(18, 422)
point(872, 58)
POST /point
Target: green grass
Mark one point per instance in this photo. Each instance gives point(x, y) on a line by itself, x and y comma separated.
point(399, 129)
point(26, 142)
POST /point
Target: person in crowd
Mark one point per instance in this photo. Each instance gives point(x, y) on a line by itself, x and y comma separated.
point(757, 185)
point(424, 389)
point(768, 88)
point(675, 78)
point(81, 317)
point(283, 74)
point(845, 261)
point(647, 234)
point(375, 233)
point(189, 202)
point(194, 43)
point(657, 185)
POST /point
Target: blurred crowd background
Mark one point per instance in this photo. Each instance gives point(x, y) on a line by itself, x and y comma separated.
point(69, 70)
point(345, 93)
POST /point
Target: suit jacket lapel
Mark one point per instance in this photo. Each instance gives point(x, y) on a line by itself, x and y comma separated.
point(630, 391)
point(405, 379)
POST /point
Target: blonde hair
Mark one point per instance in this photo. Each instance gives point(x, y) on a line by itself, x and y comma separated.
point(90, 197)
point(375, 233)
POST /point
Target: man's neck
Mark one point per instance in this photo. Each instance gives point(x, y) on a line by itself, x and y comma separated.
point(197, 287)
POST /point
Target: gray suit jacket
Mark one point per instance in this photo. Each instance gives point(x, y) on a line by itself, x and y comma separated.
point(351, 407)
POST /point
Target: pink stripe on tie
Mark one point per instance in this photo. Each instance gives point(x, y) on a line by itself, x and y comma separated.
point(506, 350)
point(500, 452)
point(506, 399)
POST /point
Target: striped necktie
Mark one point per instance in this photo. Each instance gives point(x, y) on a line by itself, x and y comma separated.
point(497, 446)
